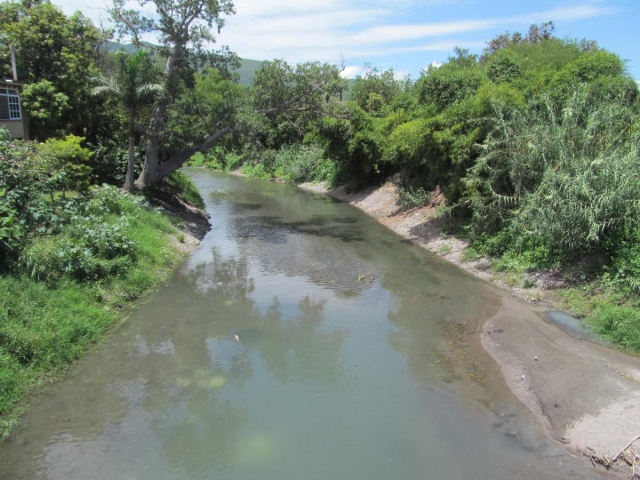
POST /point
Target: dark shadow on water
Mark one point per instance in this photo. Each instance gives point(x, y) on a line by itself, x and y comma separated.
point(247, 206)
point(273, 229)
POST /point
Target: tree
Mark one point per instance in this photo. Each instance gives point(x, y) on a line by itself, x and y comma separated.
point(184, 28)
point(51, 47)
point(133, 86)
point(180, 24)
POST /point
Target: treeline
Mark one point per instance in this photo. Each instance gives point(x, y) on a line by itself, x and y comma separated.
point(534, 144)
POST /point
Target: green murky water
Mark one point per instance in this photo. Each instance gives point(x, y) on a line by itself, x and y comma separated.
point(303, 341)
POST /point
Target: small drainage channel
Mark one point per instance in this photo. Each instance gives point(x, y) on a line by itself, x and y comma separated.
point(572, 326)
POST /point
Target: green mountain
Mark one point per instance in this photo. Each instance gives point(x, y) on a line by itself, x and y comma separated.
point(246, 71)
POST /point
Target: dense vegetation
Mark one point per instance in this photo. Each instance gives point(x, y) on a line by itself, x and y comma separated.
point(534, 144)
point(75, 251)
point(74, 257)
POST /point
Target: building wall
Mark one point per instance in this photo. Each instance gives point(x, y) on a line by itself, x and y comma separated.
point(16, 128)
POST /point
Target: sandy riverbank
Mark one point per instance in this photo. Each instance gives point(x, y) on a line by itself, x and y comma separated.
point(584, 395)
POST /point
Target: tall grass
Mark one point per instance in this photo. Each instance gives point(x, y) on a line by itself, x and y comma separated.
point(45, 324)
point(569, 177)
point(186, 188)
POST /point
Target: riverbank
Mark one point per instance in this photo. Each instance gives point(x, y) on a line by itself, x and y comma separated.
point(54, 316)
point(584, 395)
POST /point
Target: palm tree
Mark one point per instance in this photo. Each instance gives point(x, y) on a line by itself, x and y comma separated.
point(132, 86)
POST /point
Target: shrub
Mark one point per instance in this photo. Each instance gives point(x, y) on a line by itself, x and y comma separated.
point(569, 179)
point(409, 196)
point(619, 324)
point(233, 161)
point(304, 163)
point(66, 163)
point(91, 248)
point(624, 270)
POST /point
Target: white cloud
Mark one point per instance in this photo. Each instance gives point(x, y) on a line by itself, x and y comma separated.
point(351, 72)
point(327, 30)
point(433, 64)
point(358, 30)
point(401, 74)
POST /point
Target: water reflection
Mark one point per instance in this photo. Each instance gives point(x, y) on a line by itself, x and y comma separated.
point(302, 340)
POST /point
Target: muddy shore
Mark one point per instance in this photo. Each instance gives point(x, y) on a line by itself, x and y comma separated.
point(584, 395)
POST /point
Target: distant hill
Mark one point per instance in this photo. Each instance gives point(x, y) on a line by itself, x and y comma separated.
point(246, 71)
point(127, 47)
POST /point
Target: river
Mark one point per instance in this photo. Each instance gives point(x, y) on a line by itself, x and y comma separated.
point(301, 340)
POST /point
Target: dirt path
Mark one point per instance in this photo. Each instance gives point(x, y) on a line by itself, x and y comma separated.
point(583, 394)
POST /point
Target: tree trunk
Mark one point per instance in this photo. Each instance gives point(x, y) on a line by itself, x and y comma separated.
point(149, 174)
point(130, 178)
point(177, 160)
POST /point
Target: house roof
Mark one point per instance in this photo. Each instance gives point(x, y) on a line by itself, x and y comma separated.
point(8, 81)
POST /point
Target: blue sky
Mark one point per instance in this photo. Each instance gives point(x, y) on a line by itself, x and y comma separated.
point(408, 35)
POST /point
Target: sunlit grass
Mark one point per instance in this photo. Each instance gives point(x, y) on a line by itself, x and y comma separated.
point(45, 325)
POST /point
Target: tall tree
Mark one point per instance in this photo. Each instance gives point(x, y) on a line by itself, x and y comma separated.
point(55, 56)
point(180, 24)
point(133, 86)
point(184, 27)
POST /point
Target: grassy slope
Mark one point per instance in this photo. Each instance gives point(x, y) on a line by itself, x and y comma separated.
point(44, 326)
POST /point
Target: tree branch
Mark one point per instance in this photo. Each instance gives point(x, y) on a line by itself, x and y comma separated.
point(284, 106)
point(178, 159)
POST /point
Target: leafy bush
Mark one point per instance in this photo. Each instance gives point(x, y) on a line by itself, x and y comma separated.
point(410, 196)
point(108, 248)
point(624, 270)
point(620, 324)
point(233, 161)
point(90, 248)
point(570, 179)
point(9, 231)
point(447, 85)
point(45, 106)
point(256, 171)
point(67, 164)
point(304, 163)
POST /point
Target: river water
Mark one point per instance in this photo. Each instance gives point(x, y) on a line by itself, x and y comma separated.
point(301, 340)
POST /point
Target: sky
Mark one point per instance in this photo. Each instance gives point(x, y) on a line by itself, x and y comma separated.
point(407, 35)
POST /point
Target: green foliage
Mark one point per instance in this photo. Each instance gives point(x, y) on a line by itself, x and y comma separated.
point(375, 91)
point(570, 179)
point(503, 67)
point(56, 57)
point(89, 248)
point(410, 196)
point(109, 249)
point(619, 324)
point(233, 161)
point(470, 254)
point(624, 270)
point(66, 162)
point(257, 170)
point(448, 84)
point(304, 163)
point(45, 106)
point(185, 187)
